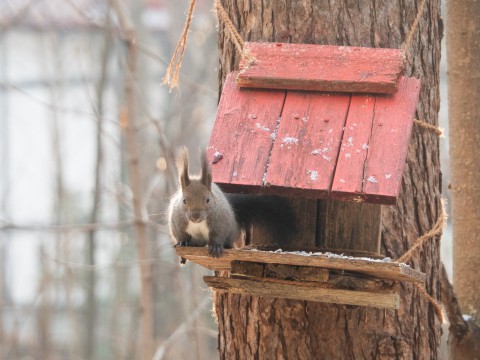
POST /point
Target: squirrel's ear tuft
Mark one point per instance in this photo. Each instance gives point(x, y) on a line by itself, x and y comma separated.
point(183, 169)
point(206, 177)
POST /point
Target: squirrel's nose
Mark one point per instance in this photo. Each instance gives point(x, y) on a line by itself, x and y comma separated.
point(196, 216)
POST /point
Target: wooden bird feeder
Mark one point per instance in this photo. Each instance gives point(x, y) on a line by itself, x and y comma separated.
point(314, 122)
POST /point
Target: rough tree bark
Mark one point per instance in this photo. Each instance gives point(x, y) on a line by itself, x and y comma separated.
point(260, 328)
point(463, 55)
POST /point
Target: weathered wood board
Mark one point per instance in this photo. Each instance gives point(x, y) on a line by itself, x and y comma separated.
point(373, 153)
point(320, 68)
point(348, 182)
point(301, 291)
point(388, 146)
point(343, 225)
point(242, 138)
point(388, 270)
point(327, 277)
point(280, 271)
point(305, 150)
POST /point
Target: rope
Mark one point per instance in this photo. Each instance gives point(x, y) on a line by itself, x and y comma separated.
point(408, 39)
point(436, 230)
point(230, 30)
point(428, 126)
point(171, 75)
point(436, 304)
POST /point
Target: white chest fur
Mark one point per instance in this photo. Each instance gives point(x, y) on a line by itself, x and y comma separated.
point(198, 230)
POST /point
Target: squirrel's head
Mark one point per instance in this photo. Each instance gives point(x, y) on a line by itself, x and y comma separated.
point(197, 194)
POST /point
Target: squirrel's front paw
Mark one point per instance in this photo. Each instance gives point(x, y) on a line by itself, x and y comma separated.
point(215, 250)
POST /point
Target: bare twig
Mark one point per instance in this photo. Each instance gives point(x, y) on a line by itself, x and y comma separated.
point(91, 277)
point(86, 267)
point(17, 16)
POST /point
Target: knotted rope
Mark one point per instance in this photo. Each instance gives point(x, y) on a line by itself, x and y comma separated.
point(435, 231)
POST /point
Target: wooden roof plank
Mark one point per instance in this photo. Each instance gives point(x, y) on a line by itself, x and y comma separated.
point(388, 146)
point(299, 291)
point(388, 270)
point(348, 181)
point(241, 139)
point(320, 67)
point(307, 143)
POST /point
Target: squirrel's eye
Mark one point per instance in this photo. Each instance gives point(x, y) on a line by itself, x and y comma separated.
point(185, 201)
point(207, 200)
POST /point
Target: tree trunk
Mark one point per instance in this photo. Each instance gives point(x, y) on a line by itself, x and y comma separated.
point(261, 328)
point(463, 55)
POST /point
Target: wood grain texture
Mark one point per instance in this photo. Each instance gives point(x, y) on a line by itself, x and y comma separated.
point(354, 226)
point(375, 144)
point(242, 135)
point(348, 182)
point(306, 146)
point(302, 291)
point(388, 145)
point(280, 271)
point(320, 67)
point(306, 214)
point(335, 278)
point(388, 270)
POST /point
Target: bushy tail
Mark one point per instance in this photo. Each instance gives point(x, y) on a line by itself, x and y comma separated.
point(273, 216)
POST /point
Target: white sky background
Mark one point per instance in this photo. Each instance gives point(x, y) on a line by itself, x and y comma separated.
point(31, 175)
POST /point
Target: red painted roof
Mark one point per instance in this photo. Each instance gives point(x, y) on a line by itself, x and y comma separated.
point(349, 147)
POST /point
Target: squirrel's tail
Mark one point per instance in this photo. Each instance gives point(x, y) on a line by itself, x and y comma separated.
point(271, 217)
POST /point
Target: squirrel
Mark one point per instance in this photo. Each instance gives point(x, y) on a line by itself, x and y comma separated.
point(200, 214)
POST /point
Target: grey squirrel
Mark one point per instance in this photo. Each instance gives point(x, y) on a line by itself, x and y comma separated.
point(201, 214)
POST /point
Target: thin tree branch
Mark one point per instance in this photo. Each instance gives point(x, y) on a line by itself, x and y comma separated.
point(90, 338)
point(9, 225)
point(128, 121)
